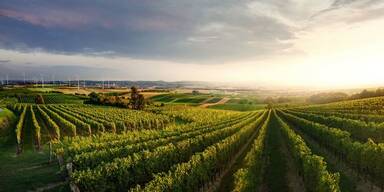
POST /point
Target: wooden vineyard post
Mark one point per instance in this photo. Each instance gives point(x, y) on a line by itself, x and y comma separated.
point(50, 152)
point(72, 185)
point(18, 149)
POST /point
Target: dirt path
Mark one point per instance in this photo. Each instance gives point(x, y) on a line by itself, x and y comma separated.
point(226, 183)
point(294, 180)
point(275, 176)
point(28, 132)
point(49, 186)
point(222, 101)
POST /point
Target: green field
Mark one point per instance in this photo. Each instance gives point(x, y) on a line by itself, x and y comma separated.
point(29, 171)
point(185, 98)
point(238, 107)
point(19, 95)
point(244, 101)
point(214, 100)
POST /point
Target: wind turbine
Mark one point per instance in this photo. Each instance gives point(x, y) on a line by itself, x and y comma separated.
point(78, 83)
point(24, 77)
point(42, 81)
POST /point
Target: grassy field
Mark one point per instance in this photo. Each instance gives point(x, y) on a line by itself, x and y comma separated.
point(29, 171)
point(214, 100)
point(238, 107)
point(184, 98)
point(240, 100)
point(235, 103)
point(28, 95)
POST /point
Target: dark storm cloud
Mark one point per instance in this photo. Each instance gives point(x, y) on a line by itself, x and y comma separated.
point(194, 31)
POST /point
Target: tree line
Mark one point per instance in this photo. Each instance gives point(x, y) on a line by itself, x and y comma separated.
point(340, 96)
point(136, 100)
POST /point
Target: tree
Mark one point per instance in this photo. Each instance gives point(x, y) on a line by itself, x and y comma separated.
point(367, 94)
point(327, 97)
point(141, 102)
point(269, 100)
point(137, 100)
point(94, 97)
point(39, 99)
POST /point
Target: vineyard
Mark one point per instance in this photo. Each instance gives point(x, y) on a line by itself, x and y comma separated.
point(40, 124)
point(311, 148)
point(332, 147)
point(50, 98)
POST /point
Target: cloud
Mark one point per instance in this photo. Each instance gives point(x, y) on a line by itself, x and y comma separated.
point(189, 31)
point(351, 11)
point(56, 18)
point(199, 31)
point(5, 61)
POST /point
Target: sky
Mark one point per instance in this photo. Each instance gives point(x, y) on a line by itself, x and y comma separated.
point(317, 43)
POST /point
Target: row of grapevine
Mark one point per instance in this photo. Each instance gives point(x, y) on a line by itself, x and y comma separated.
point(26, 98)
point(69, 120)
point(50, 123)
point(62, 98)
point(123, 173)
point(56, 123)
point(50, 98)
point(369, 105)
point(95, 126)
point(359, 130)
point(249, 177)
point(312, 167)
point(367, 158)
point(107, 125)
point(95, 157)
point(36, 127)
point(202, 167)
point(20, 125)
point(193, 114)
point(61, 122)
point(85, 144)
point(361, 117)
point(80, 125)
point(16, 108)
point(125, 119)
